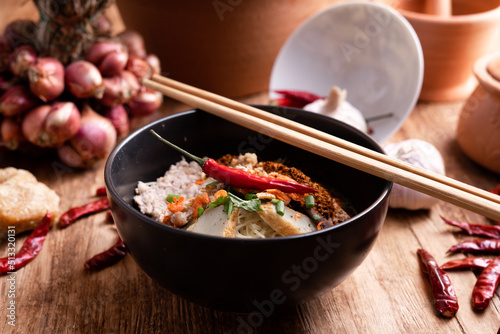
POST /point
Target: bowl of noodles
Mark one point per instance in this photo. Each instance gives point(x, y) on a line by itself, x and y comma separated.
point(243, 247)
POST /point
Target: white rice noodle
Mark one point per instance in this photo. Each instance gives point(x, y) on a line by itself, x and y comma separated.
point(251, 226)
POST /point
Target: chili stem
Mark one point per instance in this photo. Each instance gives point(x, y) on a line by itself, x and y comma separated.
point(198, 160)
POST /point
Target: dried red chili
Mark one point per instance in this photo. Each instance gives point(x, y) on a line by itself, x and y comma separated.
point(30, 248)
point(477, 245)
point(299, 96)
point(445, 299)
point(486, 284)
point(240, 178)
point(287, 102)
point(108, 257)
point(70, 216)
point(491, 231)
point(496, 190)
point(467, 263)
point(100, 191)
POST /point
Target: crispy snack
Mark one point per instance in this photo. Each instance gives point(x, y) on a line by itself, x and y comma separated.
point(24, 201)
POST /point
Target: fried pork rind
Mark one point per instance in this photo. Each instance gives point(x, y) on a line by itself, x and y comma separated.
point(24, 201)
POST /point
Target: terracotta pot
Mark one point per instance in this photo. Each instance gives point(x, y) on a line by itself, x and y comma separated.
point(478, 129)
point(225, 46)
point(452, 43)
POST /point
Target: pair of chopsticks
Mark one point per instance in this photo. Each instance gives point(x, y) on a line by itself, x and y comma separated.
point(433, 184)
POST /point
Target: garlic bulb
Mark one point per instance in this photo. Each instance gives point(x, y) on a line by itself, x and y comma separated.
point(421, 154)
point(336, 106)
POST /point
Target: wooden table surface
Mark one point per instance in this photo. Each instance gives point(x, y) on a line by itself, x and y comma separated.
point(386, 294)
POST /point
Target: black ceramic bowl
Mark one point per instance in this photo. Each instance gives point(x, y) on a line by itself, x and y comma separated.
point(234, 274)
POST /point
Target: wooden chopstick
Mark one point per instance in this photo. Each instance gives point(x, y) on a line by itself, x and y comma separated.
point(323, 136)
point(441, 187)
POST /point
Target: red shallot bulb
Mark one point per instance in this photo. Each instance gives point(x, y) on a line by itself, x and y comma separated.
point(21, 59)
point(140, 67)
point(10, 133)
point(145, 102)
point(134, 43)
point(46, 78)
point(17, 100)
point(100, 49)
point(118, 116)
point(113, 62)
point(7, 81)
point(20, 32)
point(101, 25)
point(84, 80)
point(94, 140)
point(5, 50)
point(51, 125)
point(154, 62)
point(120, 89)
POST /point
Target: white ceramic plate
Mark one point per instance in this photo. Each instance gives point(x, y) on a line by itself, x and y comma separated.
point(365, 47)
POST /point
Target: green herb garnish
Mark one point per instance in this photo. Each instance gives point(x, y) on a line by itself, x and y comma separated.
point(211, 184)
point(250, 196)
point(170, 197)
point(309, 201)
point(200, 211)
point(280, 208)
point(232, 201)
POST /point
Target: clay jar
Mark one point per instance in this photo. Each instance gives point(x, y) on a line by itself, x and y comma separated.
point(224, 46)
point(451, 43)
point(478, 129)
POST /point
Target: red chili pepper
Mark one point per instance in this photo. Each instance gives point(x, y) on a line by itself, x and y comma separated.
point(240, 178)
point(287, 102)
point(445, 299)
point(492, 231)
point(467, 263)
point(486, 284)
point(108, 257)
point(30, 248)
point(100, 191)
point(477, 245)
point(70, 216)
point(299, 96)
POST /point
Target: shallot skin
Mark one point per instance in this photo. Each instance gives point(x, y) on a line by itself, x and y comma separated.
point(20, 32)
point(51, 125)
point(10, 133)
point(118, 116)
point(16, 100)
point(46, 78)
point(84, 80)
point(94, 140)
point(134, 42)
point(5, 50)
point(140, 67)
point(114, 62)
point(154, 62)
point(145, 102)
point(100, 49)
point(120, 89)
point(21, 59)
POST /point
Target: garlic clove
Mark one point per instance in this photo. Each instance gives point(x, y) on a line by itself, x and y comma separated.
point(336, 106)
point(421, 154)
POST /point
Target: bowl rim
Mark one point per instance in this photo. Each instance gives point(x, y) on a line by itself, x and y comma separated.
point(111, 191)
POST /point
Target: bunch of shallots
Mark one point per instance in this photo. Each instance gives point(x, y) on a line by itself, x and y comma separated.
point(79, 108)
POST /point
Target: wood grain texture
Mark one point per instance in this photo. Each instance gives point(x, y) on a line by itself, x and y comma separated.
point(386, 294)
